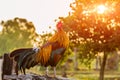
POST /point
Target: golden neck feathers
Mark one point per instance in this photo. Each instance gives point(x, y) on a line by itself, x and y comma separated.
point(60, 37)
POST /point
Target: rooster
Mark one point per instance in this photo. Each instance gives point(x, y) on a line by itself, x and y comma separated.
point(48, 54)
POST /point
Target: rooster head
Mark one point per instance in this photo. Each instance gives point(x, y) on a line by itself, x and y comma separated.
point(59, 25)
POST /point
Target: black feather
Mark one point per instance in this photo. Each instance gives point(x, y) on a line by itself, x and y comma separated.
point(24, 58)
point(18, 51)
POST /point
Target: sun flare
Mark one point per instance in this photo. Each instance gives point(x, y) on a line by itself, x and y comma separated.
point(101, 9)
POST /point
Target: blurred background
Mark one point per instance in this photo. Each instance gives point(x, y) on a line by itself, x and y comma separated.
point(93, 27)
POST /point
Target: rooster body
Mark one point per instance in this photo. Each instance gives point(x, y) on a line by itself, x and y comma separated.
point(47, 55)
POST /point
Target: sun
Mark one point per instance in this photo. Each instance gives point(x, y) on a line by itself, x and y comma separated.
point(101, 9)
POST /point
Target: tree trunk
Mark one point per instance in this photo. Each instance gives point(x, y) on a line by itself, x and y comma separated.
point(97, 62)
point(75, 59)
point(102, 69)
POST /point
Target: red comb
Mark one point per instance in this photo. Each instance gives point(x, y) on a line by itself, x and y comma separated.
point(59, 24)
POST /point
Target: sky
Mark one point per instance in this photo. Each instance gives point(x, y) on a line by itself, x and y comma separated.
point(41, 12)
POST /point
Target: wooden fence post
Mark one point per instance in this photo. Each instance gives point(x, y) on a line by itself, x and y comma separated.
point(7, 65)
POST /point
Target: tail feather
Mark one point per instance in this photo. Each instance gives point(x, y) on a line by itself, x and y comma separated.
point(18, 52)
point(32, 64)
point(24, 57)
point(27, 61)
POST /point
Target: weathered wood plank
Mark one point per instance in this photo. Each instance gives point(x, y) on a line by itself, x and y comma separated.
point(32, 77)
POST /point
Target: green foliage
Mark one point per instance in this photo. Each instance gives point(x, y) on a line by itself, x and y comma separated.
point(16, 33)
point(90, 31)
point(45, 37)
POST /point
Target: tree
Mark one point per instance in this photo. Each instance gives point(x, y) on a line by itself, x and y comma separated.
point(16, 33)
point(95, 31)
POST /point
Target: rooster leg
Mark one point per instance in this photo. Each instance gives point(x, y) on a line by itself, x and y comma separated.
point(24, 71)
point(54, 71)
point(46, 71)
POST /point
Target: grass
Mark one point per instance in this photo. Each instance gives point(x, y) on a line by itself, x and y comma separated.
point(94, 75)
